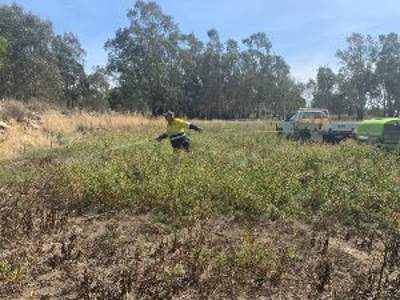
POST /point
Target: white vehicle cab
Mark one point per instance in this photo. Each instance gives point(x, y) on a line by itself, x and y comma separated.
point(314, 124)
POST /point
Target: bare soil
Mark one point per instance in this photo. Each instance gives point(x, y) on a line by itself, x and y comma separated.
point(129, 256)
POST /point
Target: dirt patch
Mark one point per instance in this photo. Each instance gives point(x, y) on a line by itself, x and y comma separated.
point(124, 256)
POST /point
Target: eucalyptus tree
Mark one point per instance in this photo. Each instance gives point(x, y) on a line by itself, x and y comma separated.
point(145, 56)
point(257, 69)
point(30, 71)
point(388, 72)
point(99, 88)
point(3, 50)
point(69, 57)
point(191, 51)
point(211, 76)
point(357, 71)
point(158, 68)
point(286, 93)
point(232, 76)
point(327, 92)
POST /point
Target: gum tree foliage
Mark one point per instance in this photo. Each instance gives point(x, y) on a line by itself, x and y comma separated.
point(154, 67)
point(145, 57)
point(369, 78)
point(388, 72)
point(157, 68)
point(358, 71)
point(69, 56)
point(327, 92)
point(98, 93)
point(38, 63)
point(3, 50)
point(30, 70)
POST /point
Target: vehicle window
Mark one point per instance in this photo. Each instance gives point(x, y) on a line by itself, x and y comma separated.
point(293, 117)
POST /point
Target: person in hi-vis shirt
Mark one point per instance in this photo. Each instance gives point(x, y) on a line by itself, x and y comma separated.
point(176, 132)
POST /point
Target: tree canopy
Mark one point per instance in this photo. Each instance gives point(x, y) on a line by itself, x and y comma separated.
point(153, 66)
point(3, 50)
point(368, 79)
point(37, 63)
point(158, 68)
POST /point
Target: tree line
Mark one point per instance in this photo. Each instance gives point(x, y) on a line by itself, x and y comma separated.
point(368, 78)
point(158, 67)
point(153, 67)
point(36, 63)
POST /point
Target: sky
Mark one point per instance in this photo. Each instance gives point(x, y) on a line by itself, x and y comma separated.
point(307, 33)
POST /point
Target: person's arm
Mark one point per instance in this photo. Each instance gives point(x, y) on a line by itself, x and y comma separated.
point(195, 127)
point(161, 137)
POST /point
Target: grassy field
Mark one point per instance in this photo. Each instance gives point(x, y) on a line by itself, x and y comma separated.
point(98, 210)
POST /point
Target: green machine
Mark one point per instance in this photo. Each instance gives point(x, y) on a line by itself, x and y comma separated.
point(384, 132)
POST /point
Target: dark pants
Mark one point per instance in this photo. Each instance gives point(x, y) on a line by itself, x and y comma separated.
point(182, 143)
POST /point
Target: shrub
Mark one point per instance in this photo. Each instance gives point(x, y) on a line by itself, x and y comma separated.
point(14, 110)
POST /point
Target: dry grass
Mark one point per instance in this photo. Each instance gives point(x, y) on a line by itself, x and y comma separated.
point(68, 124)
point(56, 127)
point(19, 138)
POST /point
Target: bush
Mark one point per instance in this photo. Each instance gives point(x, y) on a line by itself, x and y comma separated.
point(14, 110)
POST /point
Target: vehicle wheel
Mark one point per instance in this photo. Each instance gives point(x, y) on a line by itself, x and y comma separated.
point(305, 136)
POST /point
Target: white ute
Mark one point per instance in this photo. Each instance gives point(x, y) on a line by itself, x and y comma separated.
point(315, 125)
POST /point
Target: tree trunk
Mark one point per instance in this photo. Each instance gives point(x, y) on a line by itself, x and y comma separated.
point(360, 113)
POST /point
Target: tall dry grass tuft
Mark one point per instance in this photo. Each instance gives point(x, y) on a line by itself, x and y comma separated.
point(54, 120)
point(21, 136)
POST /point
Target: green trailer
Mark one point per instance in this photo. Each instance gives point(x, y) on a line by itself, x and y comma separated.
point(383, 132)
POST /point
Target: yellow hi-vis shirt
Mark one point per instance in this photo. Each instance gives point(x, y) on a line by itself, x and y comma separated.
point(177, 127)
